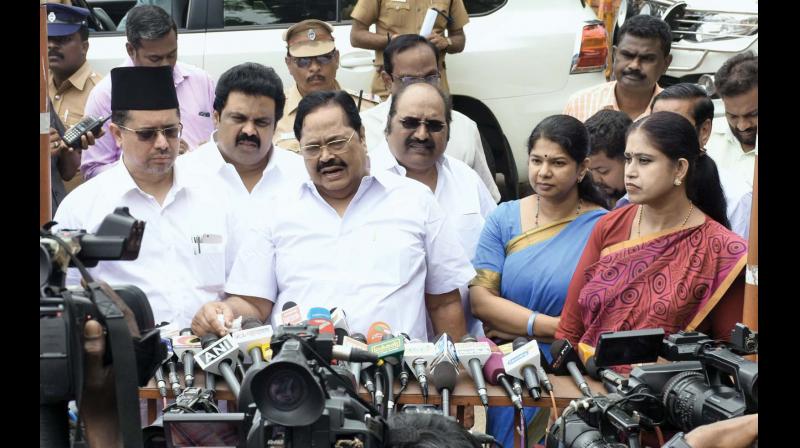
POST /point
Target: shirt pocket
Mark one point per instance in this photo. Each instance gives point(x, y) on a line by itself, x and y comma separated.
point(397, 14)
point(207, 264)
point(469, 229)
point(382, 259)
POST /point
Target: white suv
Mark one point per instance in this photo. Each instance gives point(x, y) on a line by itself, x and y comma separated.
point(522, 61)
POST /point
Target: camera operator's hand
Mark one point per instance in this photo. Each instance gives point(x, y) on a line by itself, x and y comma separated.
point(739, 432)
point(98, 406)
point(206, 320)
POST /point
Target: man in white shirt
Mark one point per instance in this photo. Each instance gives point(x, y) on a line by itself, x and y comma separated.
point(185, 253)
point(411, 58)
point(416, 138)
point(249, 103)
point(374, 244)
point(692, 102)
point(733, 143)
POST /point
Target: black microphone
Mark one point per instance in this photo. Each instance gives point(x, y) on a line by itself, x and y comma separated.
point(291, 314)
point(388, 370)
point(565, 359)
point(542, 375)
point(185, 346)
point(444, 371)
point(219, 356)
point(160, 382)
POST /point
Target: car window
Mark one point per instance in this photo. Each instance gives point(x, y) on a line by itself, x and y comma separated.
point(269, 12)
point(481, 7)
point(345, 8)
point(115, 13)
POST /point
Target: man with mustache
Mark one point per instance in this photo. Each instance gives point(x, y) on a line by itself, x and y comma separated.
point(641, 57)
point(152, 41)
point(312, 60)
point(416, 136)
point(411, 58)
point(70, 81)
point(249, 102)
point(368, 241)
point(185, 252)
point(733, 142)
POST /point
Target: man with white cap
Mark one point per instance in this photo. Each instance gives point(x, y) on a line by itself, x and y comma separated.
point(312, 60)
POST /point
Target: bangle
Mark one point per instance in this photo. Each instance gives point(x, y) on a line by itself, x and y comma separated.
point(531, 320)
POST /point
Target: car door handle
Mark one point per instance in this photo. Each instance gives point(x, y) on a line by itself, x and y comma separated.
point(357, 59)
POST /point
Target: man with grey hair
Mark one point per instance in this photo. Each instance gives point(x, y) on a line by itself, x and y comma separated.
point(153, 41)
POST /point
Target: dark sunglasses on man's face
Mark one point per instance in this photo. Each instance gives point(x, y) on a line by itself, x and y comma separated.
point(149, 134)
point(412, 124)
point(323, 59)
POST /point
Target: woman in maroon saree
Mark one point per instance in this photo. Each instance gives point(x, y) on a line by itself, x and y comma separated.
point(667, 260)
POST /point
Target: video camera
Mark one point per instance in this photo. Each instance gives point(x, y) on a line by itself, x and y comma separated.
point(297, 400)
point(64, 311)
point(706, 381)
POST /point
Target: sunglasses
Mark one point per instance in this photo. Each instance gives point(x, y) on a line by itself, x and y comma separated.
point(412, 124)
point(149, 134)
point(335, 147)
point(406, 80)
point(323, 59)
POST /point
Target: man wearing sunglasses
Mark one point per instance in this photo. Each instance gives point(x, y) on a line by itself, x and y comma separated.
point(417, 132)
point(411, 58)
point(185, 253)
point(312, 60)
point(373, 243)
point(152, 41)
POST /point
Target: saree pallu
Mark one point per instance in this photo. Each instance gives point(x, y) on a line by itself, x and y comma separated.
point(671, 280)
point(532, 269)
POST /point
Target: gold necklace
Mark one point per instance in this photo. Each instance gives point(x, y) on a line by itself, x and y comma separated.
point(536, 222)
point(641, 212)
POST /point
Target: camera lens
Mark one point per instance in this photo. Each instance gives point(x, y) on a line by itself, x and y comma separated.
point(690, 402)
point(286, 391)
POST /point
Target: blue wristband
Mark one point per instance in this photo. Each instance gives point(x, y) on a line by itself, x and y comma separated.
point(531, 320)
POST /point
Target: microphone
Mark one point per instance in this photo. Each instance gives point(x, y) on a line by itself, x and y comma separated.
point(388, 367)
point(290, 314)
point(340, 326)
point(565, 360)
point(548, 386)
point(251, 338)
point(418, 356)
point(376, 332)
point(160, 383)
point(444, 370)
point(318, 312)
point(522, 362)
point(219, 356)
point(473, 355)
point(323, 324)
point(185, 346)
point(494, 373)
point(360, 371)
point(172, 373)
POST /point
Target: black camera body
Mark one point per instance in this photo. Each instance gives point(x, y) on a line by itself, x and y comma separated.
point(706, 382)
point(64, 311)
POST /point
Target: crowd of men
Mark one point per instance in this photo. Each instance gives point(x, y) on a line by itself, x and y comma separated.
point(256, 194)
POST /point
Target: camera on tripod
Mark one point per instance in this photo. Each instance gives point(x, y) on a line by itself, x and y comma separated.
point(64, 311)
point(706, 381)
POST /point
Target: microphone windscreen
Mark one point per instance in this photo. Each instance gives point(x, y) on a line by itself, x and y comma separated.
point(288, 305)
point(208, 339)
point(376, 332)
point(359, 337)
point(251, 322)
point(519, 342)
point(493, 368)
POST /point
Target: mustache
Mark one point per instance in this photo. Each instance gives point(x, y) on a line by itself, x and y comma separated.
point(635, 73)
point(315, 77)
point(248, 138)
point(427, 143)
point(55, 53)
point(330, 163)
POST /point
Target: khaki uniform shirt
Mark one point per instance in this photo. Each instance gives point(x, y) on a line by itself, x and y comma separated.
point(284, 131)
point(69, 100)
point(405, 17)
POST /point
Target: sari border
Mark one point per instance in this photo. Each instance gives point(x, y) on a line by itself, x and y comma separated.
point(537, 235)
point(717, 296)
point(488, 279)
point(646, 239)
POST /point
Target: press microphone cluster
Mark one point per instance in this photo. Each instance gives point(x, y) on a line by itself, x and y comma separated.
point(473, 356)
point(495, 373)
point(522, 363)
point(566, 361)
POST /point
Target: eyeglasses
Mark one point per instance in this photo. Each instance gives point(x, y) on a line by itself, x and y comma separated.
point(149, 134)
point(406, 80)
point(335, 147)
point(412, 124)
point(323, 59)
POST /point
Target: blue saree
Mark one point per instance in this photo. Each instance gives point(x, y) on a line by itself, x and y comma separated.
point(532, 269)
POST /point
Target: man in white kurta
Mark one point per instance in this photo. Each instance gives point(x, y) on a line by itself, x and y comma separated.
point(185, 252)
point(458, 190)
point(372, 243)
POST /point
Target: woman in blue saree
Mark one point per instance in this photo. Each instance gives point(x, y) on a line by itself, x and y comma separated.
point(529, 248)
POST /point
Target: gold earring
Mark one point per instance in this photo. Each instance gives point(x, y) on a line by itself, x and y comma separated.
point(677, 182)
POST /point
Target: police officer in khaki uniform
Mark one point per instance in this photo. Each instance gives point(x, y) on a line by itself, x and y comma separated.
point(395, 17)
point(312, 59)
point(70, 79)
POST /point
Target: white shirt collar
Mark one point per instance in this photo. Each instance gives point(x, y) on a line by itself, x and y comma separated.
point(122, 183)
